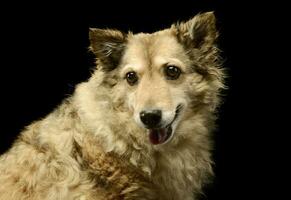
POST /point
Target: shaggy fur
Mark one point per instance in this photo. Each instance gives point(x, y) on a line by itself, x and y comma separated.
point(94, 146)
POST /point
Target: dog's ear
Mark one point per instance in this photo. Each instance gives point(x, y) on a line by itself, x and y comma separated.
point(108, 46)
point(198, 32)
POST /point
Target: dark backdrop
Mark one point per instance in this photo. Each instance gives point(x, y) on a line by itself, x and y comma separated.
point(44, 54)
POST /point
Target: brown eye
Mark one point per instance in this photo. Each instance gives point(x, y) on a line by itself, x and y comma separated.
point(131, 78)
point(172, 72)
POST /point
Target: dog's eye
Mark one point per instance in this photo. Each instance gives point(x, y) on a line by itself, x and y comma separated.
point(131, 78)
point(172, 72)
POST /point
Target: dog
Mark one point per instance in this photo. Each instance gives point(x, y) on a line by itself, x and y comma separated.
point(139, 128)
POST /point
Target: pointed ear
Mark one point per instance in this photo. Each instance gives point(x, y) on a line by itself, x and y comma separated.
point(198, 32)
point(108, 46)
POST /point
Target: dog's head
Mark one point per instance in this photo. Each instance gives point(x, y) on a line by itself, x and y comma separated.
point(164, 78)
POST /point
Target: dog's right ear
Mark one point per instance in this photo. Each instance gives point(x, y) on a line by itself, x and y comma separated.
point(108, 46)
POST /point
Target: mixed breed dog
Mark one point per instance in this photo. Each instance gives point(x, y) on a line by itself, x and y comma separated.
point(139, 128)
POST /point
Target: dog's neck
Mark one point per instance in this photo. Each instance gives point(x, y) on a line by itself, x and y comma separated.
point(155, 167)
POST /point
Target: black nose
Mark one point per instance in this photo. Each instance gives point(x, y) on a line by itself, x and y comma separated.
point(151, 118)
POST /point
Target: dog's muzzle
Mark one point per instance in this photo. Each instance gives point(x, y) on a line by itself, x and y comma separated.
point(158, 134)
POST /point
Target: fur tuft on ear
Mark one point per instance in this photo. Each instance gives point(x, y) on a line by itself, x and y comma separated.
point(108, 46)
point(198, 32)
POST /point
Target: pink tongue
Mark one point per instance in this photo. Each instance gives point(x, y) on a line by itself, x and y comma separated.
point(157, 136)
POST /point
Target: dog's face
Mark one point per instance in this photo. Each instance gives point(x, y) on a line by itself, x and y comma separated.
point(154, 67)
point(166, 75)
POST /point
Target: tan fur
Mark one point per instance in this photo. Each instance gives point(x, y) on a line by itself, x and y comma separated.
point(93, 147)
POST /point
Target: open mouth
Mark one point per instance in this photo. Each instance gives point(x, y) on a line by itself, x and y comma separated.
point(161, 135)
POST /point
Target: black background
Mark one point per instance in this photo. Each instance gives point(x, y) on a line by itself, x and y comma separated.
point(44, 54)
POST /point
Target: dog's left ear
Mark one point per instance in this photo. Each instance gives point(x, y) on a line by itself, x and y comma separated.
point(108, 46)
point(198, 32)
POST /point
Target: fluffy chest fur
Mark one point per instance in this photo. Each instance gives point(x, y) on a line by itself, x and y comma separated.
point(174, 175)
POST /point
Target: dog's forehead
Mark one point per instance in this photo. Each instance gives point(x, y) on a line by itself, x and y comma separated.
point(149, 50)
